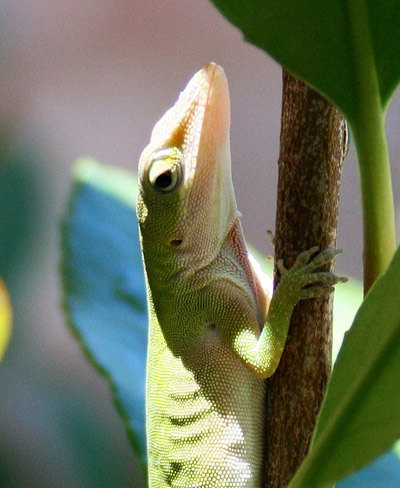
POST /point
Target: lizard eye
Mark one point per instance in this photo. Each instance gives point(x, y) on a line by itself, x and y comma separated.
point(165, 170)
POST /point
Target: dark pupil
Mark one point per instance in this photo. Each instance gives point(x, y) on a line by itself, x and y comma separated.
point(164, 180)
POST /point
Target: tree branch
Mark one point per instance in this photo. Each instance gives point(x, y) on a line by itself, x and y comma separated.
point(311, 156)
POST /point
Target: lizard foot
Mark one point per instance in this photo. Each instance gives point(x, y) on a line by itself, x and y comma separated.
point(303, 280)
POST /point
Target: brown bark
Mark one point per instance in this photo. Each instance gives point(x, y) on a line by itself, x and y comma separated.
point(310, 165)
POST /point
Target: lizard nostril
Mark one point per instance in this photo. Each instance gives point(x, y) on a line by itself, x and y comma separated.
point(176, 242)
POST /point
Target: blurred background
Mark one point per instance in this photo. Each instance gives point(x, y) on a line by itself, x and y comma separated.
point(92, 78)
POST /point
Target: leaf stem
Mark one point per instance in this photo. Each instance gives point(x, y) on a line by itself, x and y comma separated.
point(368, 129)
point(377, 199)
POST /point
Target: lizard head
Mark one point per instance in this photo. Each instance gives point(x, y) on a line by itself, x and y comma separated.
point(186, 203)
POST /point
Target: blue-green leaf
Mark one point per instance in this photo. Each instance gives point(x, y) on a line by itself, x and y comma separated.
point(104, 290)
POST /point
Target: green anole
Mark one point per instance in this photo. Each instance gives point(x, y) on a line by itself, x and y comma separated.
point(214, 333)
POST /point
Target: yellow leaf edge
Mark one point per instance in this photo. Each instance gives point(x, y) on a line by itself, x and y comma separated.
point(5, 318)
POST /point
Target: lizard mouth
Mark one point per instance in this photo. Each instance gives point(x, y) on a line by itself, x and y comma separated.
point(208, 115)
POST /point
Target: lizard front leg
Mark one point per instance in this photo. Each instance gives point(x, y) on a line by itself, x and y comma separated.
point(238, 325)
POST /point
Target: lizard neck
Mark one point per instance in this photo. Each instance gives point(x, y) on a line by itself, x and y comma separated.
point(179, 283)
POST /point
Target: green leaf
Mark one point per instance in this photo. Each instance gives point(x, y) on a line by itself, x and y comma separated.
point(104, 290)
point(325, 42)
point(349, 50)
point(360, 416)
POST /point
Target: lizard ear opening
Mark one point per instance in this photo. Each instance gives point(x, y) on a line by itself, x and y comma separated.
point(165, 170)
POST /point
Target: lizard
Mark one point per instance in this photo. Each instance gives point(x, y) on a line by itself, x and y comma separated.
point(214, 334)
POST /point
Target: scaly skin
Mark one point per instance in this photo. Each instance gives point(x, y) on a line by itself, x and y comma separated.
point(211, 340)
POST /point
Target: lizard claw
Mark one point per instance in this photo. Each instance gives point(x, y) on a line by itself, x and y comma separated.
point(281, 267)
point(324, 257)
point(271, 236)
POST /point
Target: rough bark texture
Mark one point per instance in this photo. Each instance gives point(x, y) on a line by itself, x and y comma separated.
point(311, 156)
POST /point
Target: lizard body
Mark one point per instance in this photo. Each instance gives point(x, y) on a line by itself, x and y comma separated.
point(214, 333)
